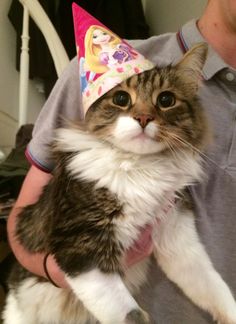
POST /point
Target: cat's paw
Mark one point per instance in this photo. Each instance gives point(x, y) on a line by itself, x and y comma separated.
point(229, 318)
point(137, 316)
point(227, 321)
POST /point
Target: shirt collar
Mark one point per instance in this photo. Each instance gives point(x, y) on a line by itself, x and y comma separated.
point(189, 35)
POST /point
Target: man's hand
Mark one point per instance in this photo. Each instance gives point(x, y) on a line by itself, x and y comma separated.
point(142, 248)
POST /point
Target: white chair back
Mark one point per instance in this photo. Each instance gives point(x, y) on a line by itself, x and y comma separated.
point(33, 9)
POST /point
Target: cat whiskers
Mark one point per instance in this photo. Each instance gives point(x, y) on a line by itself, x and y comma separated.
point(169, 144)
point(182, 141)
point(68, 183)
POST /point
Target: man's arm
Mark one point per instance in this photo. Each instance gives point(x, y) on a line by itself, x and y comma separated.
point(31, 189)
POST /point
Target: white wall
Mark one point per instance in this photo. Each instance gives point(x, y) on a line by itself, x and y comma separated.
point(168, 15)
point(9, 82)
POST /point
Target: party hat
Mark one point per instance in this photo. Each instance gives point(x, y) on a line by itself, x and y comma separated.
point(105, 60)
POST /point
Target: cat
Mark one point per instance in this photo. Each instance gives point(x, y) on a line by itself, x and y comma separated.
point(126, 167)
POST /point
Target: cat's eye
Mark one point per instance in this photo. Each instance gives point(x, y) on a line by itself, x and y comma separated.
point(166, 99)
point(121, 98)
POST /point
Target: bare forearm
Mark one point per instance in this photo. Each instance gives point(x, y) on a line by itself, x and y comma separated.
point(32, 262)
point(30, 192)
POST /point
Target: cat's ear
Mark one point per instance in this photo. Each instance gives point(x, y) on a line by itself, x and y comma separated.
point(192, 63)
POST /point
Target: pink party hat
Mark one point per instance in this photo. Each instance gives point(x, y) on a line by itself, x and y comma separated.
point(105, 60)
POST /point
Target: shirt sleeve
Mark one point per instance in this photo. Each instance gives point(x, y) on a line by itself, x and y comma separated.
point(64, 103)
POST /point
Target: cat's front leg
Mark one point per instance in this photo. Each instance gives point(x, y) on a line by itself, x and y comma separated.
point(107, 298)
point(183, 258)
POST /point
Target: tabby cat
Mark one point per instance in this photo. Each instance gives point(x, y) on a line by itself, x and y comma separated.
point(135, 154)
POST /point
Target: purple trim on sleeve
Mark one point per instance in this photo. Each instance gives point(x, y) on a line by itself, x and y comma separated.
point(181, 42)
point(35, 162)
point(184, 47)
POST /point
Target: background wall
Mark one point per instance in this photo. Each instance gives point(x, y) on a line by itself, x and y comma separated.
point(168, 15)
point(9, 82)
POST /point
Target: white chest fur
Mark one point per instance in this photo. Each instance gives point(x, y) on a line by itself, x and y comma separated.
point(142, 183)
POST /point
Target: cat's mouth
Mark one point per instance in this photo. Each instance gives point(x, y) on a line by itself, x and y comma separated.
point(131, 137)
point(143, 136)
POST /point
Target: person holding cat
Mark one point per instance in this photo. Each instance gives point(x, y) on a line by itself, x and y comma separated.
point(213, 200)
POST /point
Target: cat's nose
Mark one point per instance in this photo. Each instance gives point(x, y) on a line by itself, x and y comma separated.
point(143, 119)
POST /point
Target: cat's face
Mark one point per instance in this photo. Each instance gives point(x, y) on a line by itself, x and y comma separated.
point(153, 111)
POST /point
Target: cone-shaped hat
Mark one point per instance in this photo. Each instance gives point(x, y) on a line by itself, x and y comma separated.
point(105, 60)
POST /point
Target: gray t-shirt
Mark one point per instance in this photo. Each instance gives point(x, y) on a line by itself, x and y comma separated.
point(214, 199)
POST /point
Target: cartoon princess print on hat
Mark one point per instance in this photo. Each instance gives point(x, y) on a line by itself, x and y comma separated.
point(104, 49)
